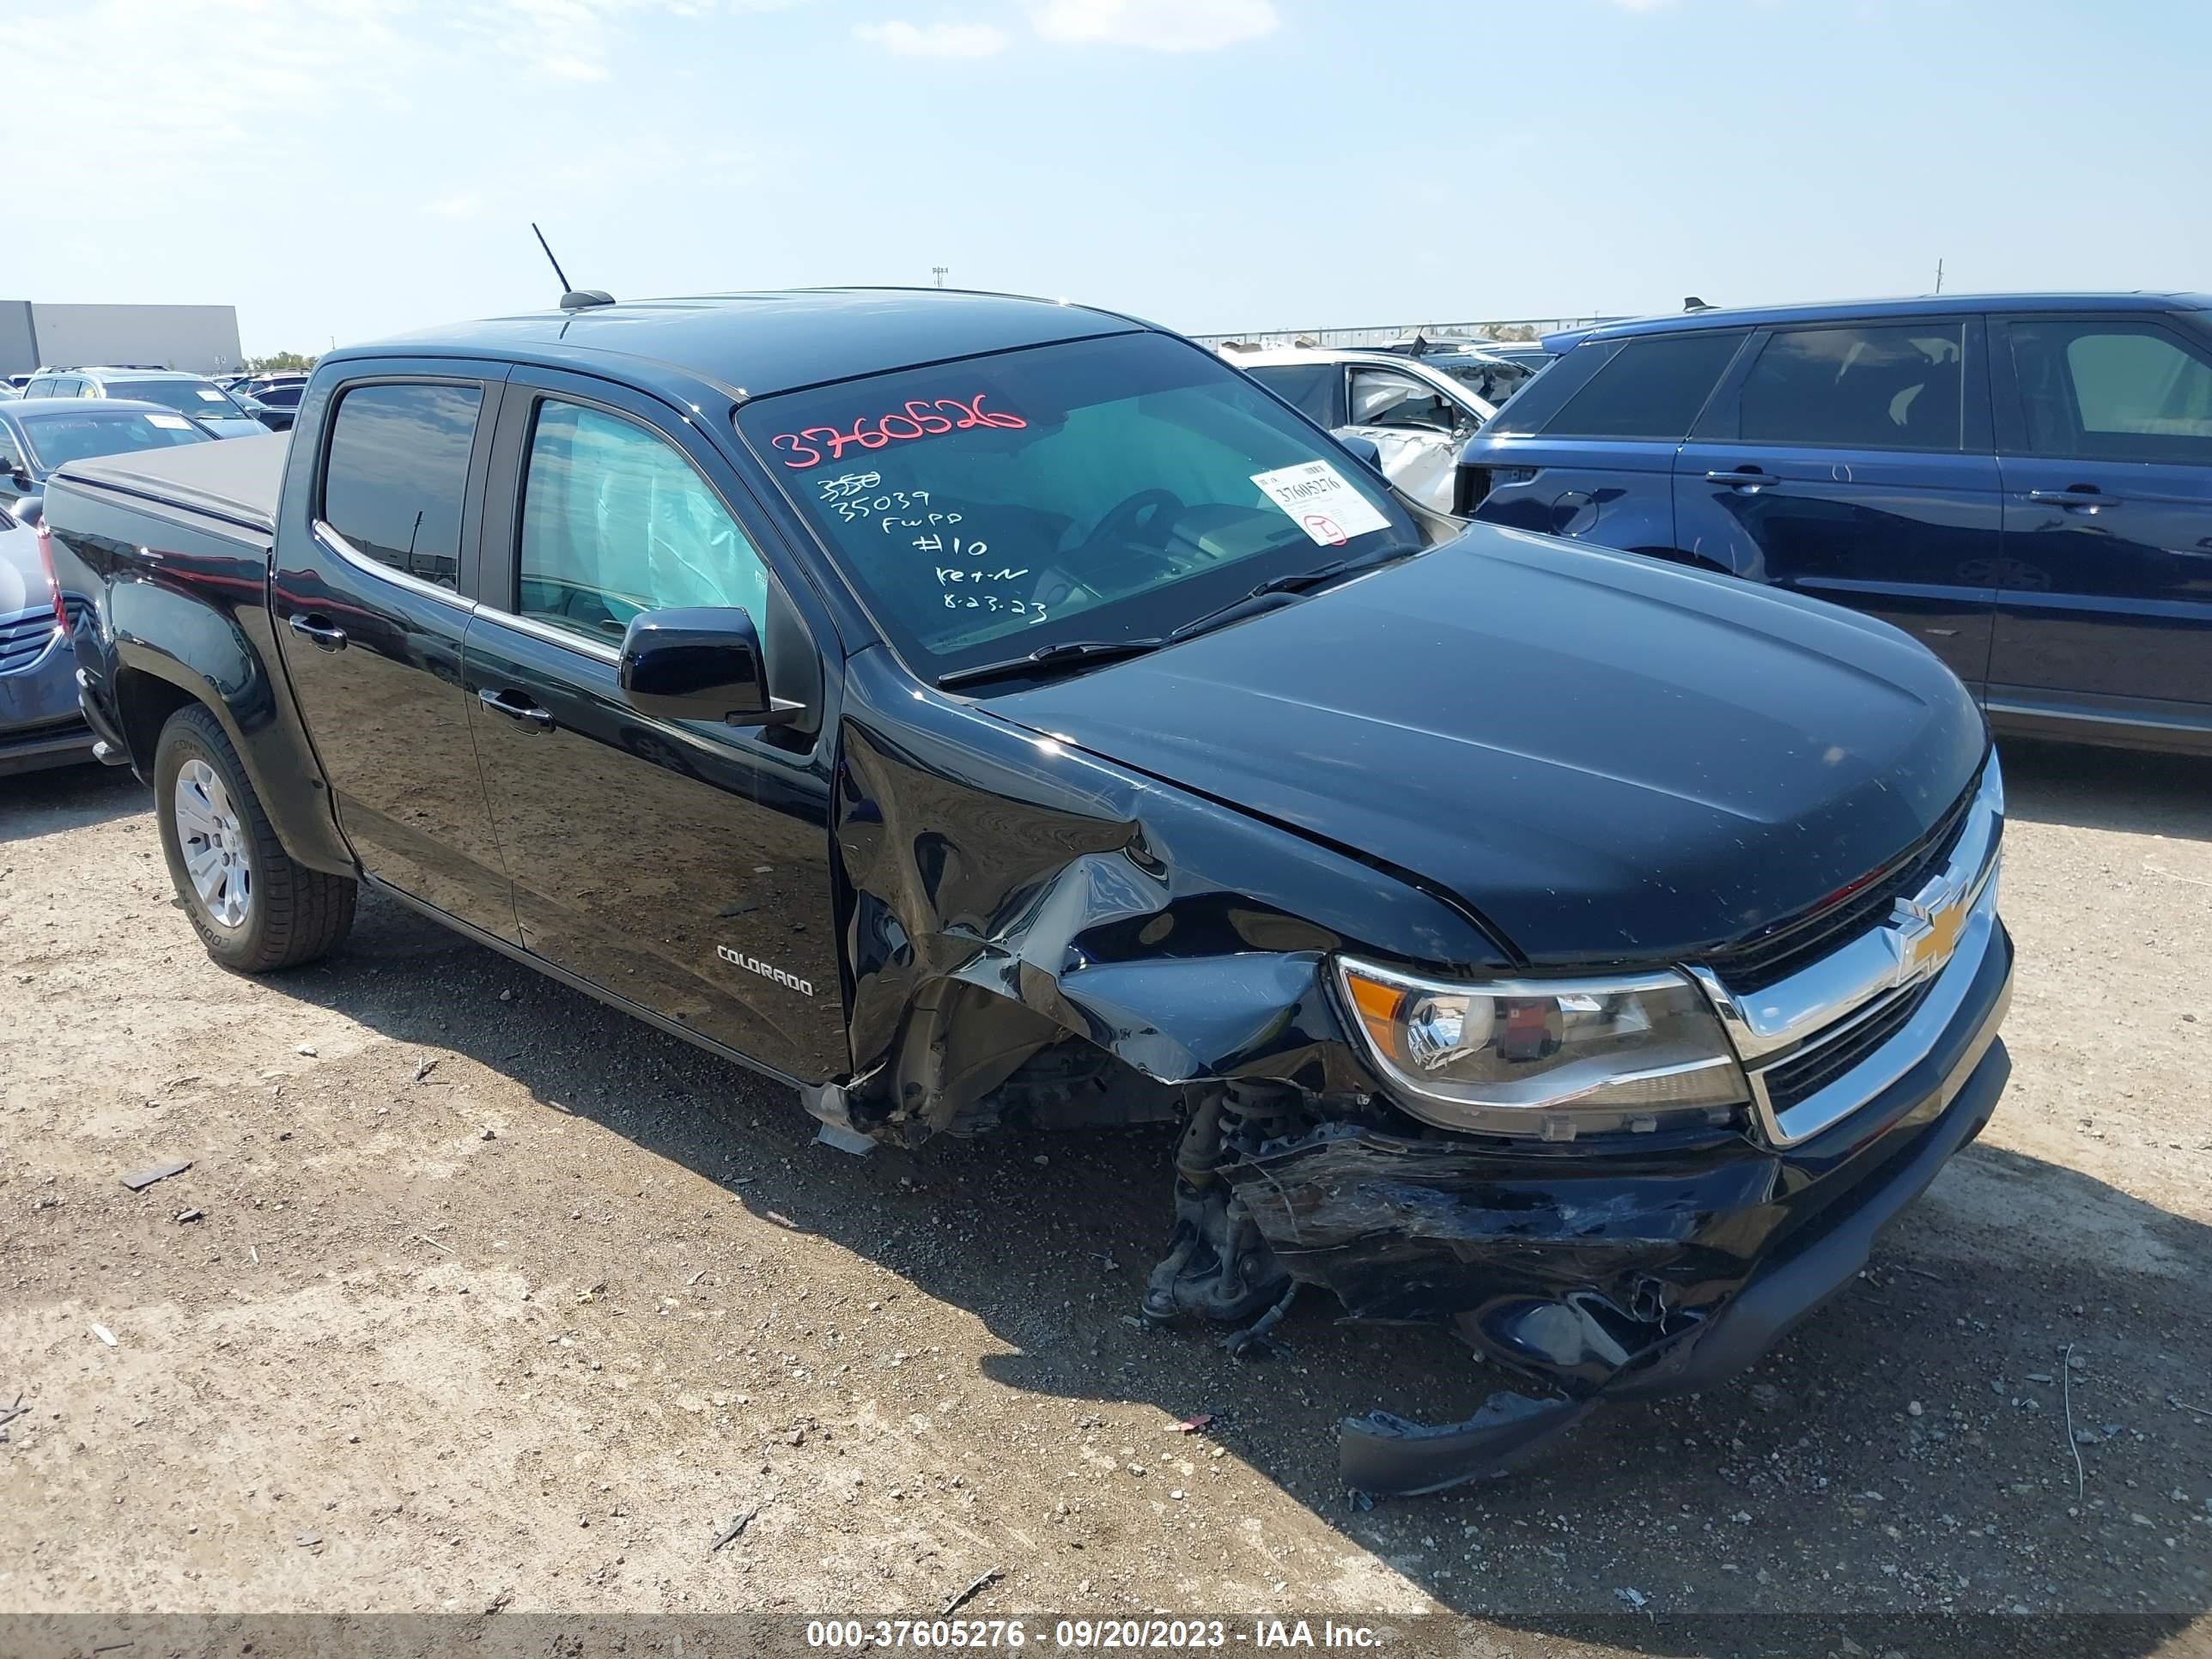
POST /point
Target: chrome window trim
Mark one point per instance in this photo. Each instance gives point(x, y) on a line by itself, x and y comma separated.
point(1837, 1100)
point(549, 632)
point(1815, 1000)
point(338, 545)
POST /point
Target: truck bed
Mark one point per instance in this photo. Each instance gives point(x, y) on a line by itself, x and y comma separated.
point(234, 481)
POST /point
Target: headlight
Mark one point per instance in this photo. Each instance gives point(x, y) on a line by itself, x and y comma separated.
point(1545, 1057)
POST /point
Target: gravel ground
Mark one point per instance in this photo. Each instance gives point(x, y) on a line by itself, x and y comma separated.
point(476, 1294)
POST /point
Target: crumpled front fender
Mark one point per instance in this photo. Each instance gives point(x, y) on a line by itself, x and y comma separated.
point(1004, 892)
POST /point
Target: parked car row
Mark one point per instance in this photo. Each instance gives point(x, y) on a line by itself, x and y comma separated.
point(276, 397)
point(40, 723)
point(226, 414)
point(2023, 483)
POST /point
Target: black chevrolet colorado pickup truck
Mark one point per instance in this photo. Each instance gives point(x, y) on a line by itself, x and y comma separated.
point(972, 710)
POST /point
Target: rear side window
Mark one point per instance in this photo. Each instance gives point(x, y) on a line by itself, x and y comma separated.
point(1309, 388)
point(2111, 390)
point(398, 473)
point(1652, 388)
point(1893, 386)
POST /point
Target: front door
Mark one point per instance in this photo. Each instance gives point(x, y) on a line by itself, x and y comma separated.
point(1852, 462)
point(1417, 430)
point(682, 864)
point(375, 561)
point(2106, 422)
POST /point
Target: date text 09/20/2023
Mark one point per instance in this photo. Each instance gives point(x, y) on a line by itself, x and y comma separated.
point(858, 1634)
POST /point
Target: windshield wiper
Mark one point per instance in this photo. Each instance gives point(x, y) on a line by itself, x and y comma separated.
point(1298, 581)
point(1067, 652)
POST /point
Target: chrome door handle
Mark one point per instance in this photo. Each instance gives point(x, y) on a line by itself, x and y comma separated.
point(2084, 499)
point(325, 636)
point(527, 714)
point(1743, 480)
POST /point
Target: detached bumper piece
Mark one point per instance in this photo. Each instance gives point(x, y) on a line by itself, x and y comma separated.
point(1620, 1278)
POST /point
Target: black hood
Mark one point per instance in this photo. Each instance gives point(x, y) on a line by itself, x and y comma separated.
point(1607, 759)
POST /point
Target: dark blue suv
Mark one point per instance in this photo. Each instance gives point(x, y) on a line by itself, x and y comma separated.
point(2021, 482)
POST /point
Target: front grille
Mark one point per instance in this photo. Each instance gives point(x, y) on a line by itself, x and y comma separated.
point(1805, 1074)
point(1792, 945)
point(23, 638)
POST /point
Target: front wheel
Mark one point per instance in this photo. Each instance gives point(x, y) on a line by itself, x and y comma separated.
point(253, 907)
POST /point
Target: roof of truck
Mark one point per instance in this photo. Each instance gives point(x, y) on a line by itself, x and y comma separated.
point(758, 344)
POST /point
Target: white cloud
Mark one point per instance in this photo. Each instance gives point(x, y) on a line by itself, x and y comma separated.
point(172, 72)
point(1156, 25)
point(572, 39)
point(934, 39)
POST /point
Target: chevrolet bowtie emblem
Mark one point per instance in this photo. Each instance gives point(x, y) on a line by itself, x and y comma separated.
point(1924, 932)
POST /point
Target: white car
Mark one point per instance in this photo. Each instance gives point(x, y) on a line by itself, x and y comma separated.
point(1417, 416)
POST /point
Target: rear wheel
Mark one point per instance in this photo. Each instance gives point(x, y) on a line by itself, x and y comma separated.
point(253, 907)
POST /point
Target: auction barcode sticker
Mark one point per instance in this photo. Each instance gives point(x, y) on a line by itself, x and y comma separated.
point(1325, 506)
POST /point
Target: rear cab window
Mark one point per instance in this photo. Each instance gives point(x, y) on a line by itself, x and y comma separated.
point(396, 473)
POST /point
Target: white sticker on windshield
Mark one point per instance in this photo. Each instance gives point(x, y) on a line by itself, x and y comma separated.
point(209, 394)
point(174, 422)
point(1325, 507)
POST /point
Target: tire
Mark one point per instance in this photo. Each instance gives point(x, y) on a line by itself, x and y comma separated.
point(261, 910)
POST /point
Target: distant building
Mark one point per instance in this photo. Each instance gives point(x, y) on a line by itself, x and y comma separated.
point(36, 335)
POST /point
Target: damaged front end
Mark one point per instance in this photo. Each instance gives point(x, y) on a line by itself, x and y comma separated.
point(1037, 935)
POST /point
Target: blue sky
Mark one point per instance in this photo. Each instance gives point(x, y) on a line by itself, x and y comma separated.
point(348, 168)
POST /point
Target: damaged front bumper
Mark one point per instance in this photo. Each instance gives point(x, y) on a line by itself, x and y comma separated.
point(1610, 1278)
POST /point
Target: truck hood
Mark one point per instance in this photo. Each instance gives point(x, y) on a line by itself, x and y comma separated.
point(1606, 758)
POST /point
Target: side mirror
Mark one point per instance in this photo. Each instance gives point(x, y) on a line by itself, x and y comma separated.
point(1366, 448)
point(700, 664)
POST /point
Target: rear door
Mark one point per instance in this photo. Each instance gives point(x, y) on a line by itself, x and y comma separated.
point(1852, 461)
point(2105, 424)
point(683, 864)
point(1587, 449)
point(374, 558)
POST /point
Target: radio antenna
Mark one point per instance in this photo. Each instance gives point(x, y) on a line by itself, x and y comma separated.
point(572, 299)
point(550, 259)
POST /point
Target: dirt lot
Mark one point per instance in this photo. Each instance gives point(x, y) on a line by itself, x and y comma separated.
point(490, 1297)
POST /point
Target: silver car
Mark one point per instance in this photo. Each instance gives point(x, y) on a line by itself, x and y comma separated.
point(186, 394)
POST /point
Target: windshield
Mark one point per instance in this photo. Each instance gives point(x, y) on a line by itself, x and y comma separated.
point(78, 436)
point(209, 402)
point(1101, 490)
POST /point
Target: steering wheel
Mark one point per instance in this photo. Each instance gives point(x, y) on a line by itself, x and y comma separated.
point(1122, 523)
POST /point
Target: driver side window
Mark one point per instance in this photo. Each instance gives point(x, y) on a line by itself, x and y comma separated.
point(616, 521)
point(1380, 397)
